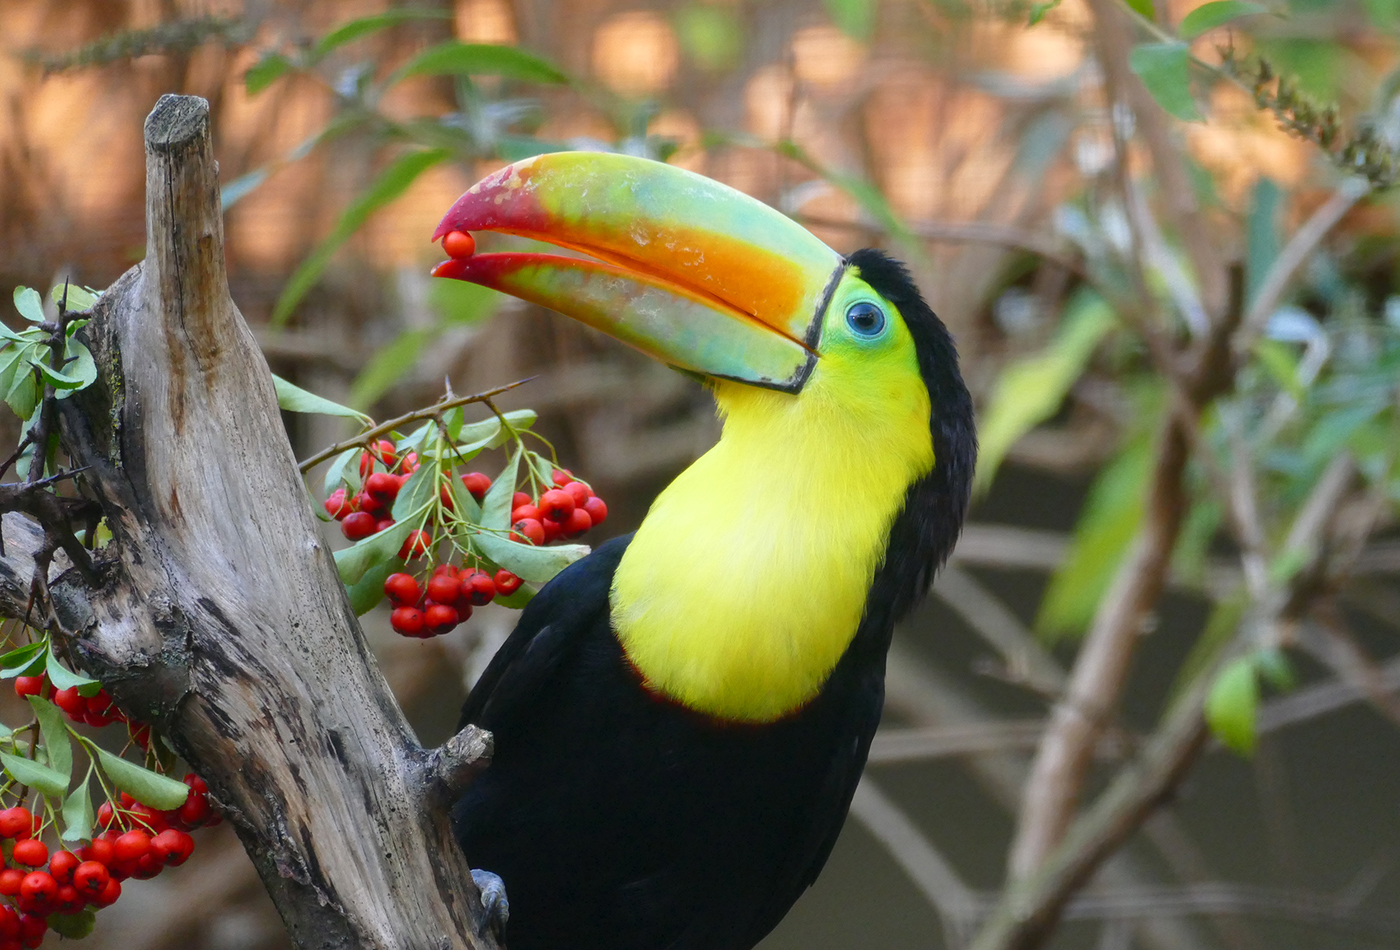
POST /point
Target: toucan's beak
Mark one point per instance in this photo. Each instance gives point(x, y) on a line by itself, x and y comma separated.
point(689, 271)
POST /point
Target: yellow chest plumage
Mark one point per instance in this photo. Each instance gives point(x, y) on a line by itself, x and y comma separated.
point(748, 578)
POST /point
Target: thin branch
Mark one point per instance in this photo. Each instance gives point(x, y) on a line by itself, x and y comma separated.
point(1294, 254)
point(417, 415)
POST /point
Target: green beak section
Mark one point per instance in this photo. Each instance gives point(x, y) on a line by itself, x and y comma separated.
point(689, 271)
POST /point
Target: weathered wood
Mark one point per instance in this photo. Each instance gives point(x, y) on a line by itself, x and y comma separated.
point(221, 618)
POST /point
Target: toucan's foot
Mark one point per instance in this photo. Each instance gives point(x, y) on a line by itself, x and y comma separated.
point(495, 907)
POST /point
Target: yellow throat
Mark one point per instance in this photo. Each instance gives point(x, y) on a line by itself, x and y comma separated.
point(748, 578)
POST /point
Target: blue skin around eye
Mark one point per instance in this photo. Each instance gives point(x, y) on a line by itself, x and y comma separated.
point(865, 319)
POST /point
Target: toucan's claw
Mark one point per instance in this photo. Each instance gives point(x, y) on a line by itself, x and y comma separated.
point(494, 905)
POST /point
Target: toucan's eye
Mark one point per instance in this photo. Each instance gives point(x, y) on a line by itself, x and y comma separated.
point(865, 319)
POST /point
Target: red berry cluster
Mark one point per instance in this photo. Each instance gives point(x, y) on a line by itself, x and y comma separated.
point(97, 710)
point(367, 511)
point(446, 600)
point(138, 842)
point(565, 511)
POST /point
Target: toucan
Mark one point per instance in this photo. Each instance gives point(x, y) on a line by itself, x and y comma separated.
point(681, 717)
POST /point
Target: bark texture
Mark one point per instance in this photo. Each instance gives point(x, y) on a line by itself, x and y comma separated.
point(220, 617)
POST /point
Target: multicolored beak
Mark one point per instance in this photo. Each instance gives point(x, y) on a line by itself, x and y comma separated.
point(689, 271)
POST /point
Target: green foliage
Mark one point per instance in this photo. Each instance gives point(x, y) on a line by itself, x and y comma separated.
point(711, 35)
point(1031, 390)
point(1164, 69)
point(1209, 16)
point(480, 59)
point(293, 398)
point(149, 788)
point(855, 17)
point(389, 185)
point(1233, 705)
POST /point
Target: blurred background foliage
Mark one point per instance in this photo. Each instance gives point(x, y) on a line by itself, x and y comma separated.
point(990, 144)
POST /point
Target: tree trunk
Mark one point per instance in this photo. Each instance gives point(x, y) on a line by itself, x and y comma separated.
point(220, 617)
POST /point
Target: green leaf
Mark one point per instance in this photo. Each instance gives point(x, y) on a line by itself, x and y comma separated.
point(1262, 234)
point(1111, 515)
point(389, 365)
point(24, 394)
point(77, 814)
point(712, 36)
point(159, 791)
point(59, 380)
point(64, 678)
point(1280, 361)
point(1038, 11)
point(463, 502)
point(537, 564)
point(266, 71)
point(79, 298)
point(20, 657)
point(336, 473)
point(1031, 390)
point(418, 492)
point(54, 733)
point(495, 507)
point(1164, 69)
point(1143, 8)
point(352, 562)
point(366, 593)
point(1208, 16)
point(854, 17)
point(353, 30)
point(1233, 704)
point(80, 366)
point(454, 58)
point(390, 184)
point(33, 665)
point(28, 772)
point(1274, 666)
point(29, 304)
point(295, 399)
point(73, 926)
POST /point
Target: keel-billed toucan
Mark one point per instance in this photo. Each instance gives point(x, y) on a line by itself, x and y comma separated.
point(681, 717)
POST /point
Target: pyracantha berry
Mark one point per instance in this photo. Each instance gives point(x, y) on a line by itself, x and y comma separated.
point(357, 525)
point(415, 545)
point(407, 621)
point(459, 244)
point(402, 589)
point(506, 583)
point(478, 484)
point(597, 510)
point(556, 505)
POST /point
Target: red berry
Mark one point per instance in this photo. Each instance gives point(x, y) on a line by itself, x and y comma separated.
point(99, 851)
point(196, 810)
point(383, 487)
point(528, 529)
point(133, 844)
point(415, 545)
point(386, 452)
point(366, 464)
point(338, 504)
point(440, 618)
point(90, 877)
point(478, 587)
point(152, 818)
point(31, 852)
point(71, 702)
point(478, 484)
point(459, 244)
point(9, 881)
point(579, 492)
point(368, 503)
point(556, 505)
point(106, 816)
point(109, 894)
point(29, 685)
point(16, 822)
point(443, 588)
point(357, 525)
point(506, 583)
point(520, 498)
point(523, 512)
point(195, 782)
point(62, 866)
point(9, 920)
point(32, 929)
point(38, 886)
point(172, 847)
point(402, 589)
point(447, 569)
point(562, 477)
point(68, 900)
point(578, 523)
point(597, 510)
point(407, 621)
point(445, 496)
point(383, 524)
point(553, 531)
